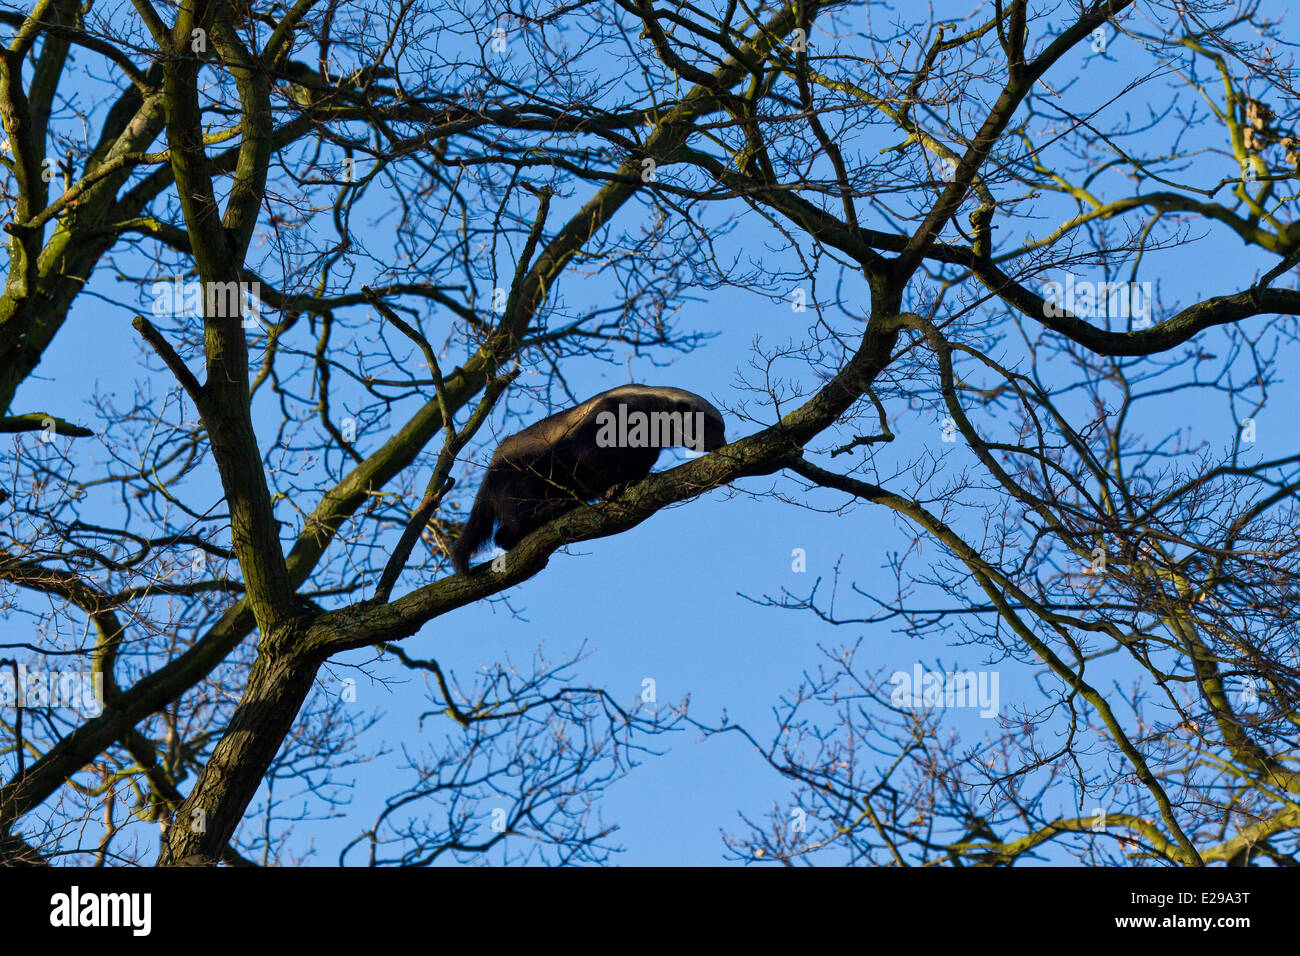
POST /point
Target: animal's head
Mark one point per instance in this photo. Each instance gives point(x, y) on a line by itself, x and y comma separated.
point(693, 421)
point(715, 428)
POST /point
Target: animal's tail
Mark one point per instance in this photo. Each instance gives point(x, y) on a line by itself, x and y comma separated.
point(477, 530)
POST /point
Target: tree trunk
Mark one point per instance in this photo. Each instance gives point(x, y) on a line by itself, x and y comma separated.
point(278, 685)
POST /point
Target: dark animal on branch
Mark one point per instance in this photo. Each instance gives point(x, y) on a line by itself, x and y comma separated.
point(581, 454)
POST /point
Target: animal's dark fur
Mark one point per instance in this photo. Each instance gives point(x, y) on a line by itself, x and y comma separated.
point(554, 465)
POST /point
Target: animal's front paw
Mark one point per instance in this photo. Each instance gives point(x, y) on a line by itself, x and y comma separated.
point(614, 491)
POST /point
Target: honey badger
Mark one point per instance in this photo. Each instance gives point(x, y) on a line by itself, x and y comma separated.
point(581, 454)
